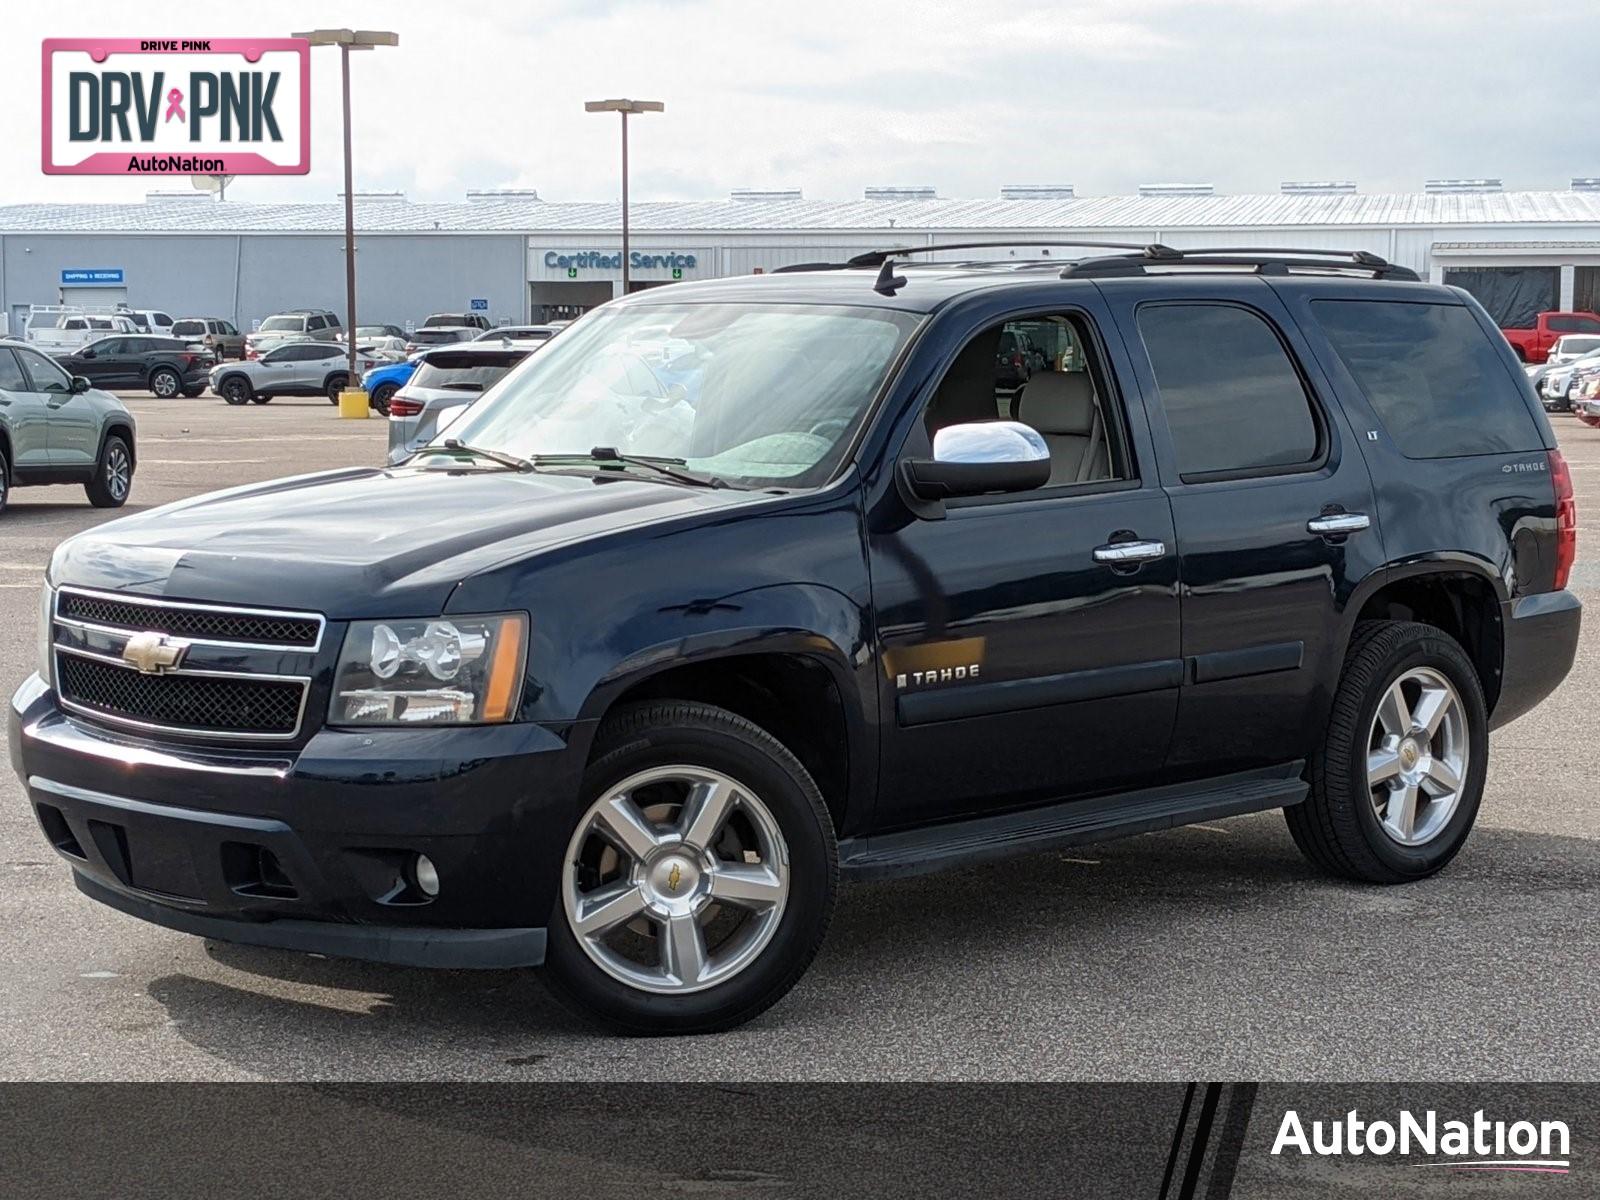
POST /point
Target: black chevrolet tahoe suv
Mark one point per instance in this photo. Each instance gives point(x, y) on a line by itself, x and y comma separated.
point(745, 587)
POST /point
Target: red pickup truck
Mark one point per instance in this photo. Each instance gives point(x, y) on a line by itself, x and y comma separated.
point(1533, 345)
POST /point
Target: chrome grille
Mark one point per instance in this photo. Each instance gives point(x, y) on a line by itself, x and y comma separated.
point(199, 703)
point(248, 626)
point(192, 669)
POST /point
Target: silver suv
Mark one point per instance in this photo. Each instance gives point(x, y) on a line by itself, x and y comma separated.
point(56, 428)
point(289, 369)
point(293, 325)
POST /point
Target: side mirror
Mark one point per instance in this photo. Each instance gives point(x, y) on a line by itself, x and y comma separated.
point(87, 352)
point(80, 385)
point(980, 457)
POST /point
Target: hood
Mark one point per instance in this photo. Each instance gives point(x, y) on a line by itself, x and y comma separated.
point(363, 542)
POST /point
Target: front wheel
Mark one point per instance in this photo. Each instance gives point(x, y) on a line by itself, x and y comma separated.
point(1396, 783)
point(113, 475)
point(699, 879)
point(5, 481)
point(258, 398)
point(236, 389)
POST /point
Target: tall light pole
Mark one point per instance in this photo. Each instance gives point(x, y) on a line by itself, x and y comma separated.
point(348, 40)
point(624, 107)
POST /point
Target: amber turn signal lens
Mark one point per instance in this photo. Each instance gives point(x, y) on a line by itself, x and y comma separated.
point(504, 668)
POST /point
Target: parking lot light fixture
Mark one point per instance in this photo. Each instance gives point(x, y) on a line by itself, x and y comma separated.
point(348, 40)
point(625, 107)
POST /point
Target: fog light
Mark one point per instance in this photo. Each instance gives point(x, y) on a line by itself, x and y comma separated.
point(426, 875)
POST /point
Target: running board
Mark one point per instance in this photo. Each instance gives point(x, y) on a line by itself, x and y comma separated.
point(1070, 823)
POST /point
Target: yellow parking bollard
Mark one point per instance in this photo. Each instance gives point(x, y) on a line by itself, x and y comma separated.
point(353, 405)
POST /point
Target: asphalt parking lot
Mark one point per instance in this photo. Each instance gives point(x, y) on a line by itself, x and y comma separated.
point(1207, 952)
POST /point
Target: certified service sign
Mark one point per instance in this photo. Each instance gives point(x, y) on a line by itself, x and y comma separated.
point(168, 106)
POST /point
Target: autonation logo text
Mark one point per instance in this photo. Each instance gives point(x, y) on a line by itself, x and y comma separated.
point(1476, 1145)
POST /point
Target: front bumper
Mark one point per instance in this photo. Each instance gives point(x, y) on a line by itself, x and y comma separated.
point(311, 849)
point(1541, 640)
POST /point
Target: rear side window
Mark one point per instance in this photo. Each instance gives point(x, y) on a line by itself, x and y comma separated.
point(1573, 324)
point(1233, 399)
point(1433, 375)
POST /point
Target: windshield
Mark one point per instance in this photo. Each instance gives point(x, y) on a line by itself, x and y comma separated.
point(753, 394)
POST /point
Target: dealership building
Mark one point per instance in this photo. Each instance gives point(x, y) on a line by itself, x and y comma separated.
point(516, 257)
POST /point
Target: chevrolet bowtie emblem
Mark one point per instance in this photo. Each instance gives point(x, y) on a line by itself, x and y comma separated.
point(674, 877)
point(153, 653)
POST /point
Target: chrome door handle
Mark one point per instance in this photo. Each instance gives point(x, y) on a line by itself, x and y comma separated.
point(1335, 523)
point(1122, 553)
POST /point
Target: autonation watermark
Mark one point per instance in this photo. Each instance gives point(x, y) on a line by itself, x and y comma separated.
point(1480, 1144)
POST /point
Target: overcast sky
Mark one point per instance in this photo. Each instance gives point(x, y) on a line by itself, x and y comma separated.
point(835, 95)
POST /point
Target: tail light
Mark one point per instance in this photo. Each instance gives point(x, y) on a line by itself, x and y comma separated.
point(412, 347)
point(188, 359)
point(1016, 360)
point(1566, 519)
point(402, 406)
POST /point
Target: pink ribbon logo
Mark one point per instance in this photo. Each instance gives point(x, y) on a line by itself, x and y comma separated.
point(175, 105)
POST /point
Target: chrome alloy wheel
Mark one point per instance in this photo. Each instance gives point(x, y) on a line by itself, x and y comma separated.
point(119, 471)
point(675, 879)
point(1417, 756)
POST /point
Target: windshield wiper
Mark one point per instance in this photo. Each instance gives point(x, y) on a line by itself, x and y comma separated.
point(505, 460)
point(661, 464)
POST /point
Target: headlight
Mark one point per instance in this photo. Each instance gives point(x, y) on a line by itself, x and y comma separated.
point(47, 612)
point(441, 671)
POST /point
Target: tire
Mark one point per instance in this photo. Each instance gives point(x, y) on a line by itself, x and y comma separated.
point(113, 474)
point(5, 481)
point(191, 392)
point(382, 394)
point(235, 389)
point(333, 386)
point(164, 383)
point(773, 943)
point(258, 398)
point(1338, 826)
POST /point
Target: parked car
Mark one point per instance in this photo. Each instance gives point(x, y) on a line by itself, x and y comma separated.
point(217, 335)
point(162, 366)
point(445, 382)
point(457, 320)
point(517, 333)
point(438, 335)
point(384, 380)
point(58, 428)
point(295, 325)
point(60, 331)
point(1533, 344)
point(623, 684)
point(1555, 389)
point(1571, 347)
point(151, 320)
point(292, 369)
point(372, 333)
point(1014, 360)
point(1585, 392)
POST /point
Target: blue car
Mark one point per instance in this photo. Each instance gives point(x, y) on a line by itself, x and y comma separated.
point(381, 383)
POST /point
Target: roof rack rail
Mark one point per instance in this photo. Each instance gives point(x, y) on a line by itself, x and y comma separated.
point(813, 266)
point(876, 258)
point(1264, 260)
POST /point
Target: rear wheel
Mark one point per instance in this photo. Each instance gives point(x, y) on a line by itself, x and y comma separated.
point(113, 474)
point(164, 383)
point(236, 389)
point(382, 394)
point(258, 398)
point(192, 392)
point(699, 879)
point(1396, 783)
point(335, 385)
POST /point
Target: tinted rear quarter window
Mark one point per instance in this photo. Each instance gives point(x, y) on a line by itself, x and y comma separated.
point(1433, 375)
point(1233, 400)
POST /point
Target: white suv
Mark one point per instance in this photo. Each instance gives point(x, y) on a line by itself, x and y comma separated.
point(289, 369)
